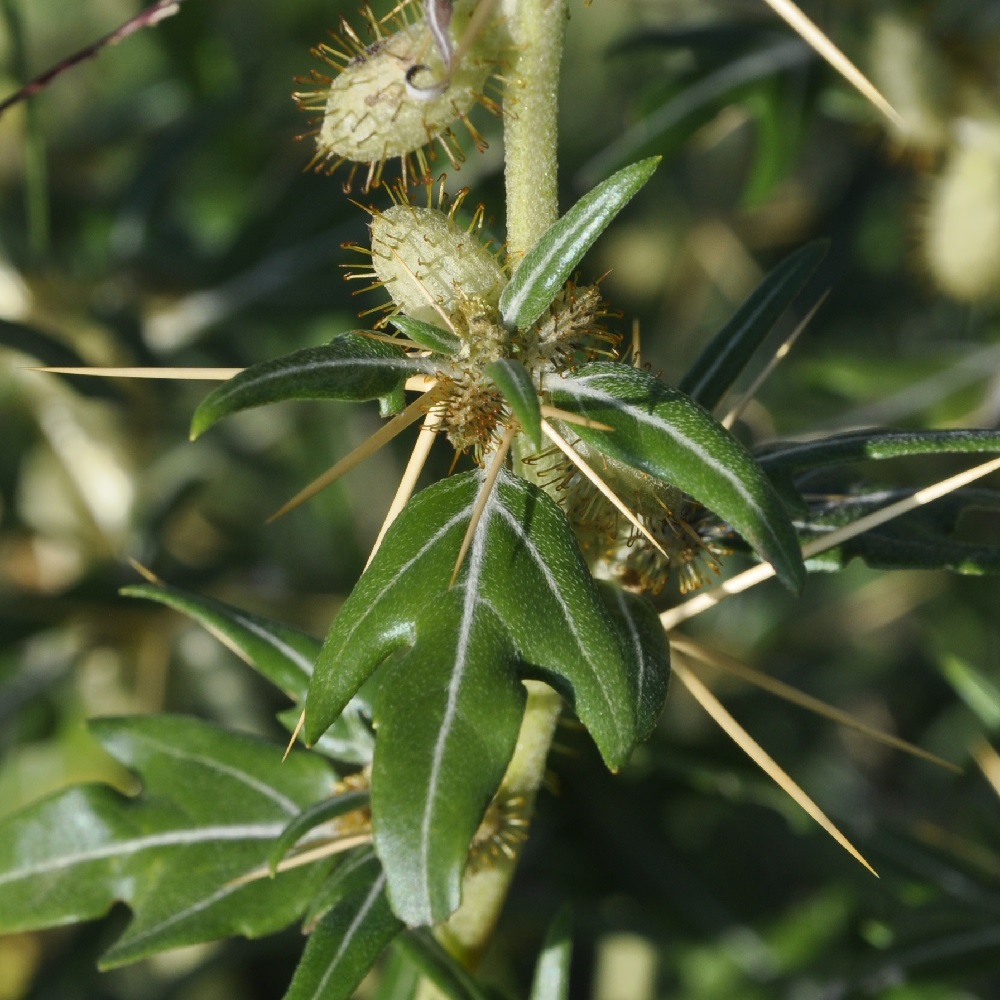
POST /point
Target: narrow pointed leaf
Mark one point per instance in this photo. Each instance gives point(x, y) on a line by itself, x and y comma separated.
point(212, 804)
point(663, 432)
point(314, 816)
point(551, 981)
point(282, 654)
point(550, 262)
point(514, 381)
point(721, 363)
point(427, 334)
point(450, 703)
point(351, 367)
point(783, 462)
point(437, 966)
point(349, 936)
point(920, 539)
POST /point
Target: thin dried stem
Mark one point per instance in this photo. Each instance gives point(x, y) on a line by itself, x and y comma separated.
point(499, 457)
point(379, 439)
point(825, 48)
point(425, 292)
point(697, 605)
point(695, 652)
point(760, 757)
point(147, 18)
point(606, 491)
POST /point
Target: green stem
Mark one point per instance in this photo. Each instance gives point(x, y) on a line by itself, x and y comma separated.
point(530, 143)
point(531, 118)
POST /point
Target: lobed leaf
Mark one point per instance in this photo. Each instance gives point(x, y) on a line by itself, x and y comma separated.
point(355, 926)
point(212, 804)
point(722, 361)
point(515, 382)
point(661, 431)
point(449, 704)
point(351, 367)
point(550, 262)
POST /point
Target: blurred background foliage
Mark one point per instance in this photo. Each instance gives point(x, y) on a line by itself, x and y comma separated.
point(154, 211)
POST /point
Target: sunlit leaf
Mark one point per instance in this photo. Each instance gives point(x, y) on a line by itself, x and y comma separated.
point(450, 702)
point(550, 262)
point(351, 367)
point(664, 433)
point(212, 804)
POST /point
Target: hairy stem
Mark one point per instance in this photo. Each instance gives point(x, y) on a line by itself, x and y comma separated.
point(530, 122)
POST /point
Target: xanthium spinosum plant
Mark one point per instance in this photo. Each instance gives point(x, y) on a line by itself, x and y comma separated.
point(546, 576)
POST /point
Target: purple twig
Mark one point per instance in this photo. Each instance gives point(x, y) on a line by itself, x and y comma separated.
point(144, 19)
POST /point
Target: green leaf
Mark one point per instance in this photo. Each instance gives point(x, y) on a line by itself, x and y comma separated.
point(721, 363)
point(919, 539)
point(309, 819)
point(546, 267)
point(427, 334)
point(450, 703)
point(639, 626)
point(282, 654)
point(784, 462)
point(437, 966)
point(212, 804)
point(664, 433)
point(551, 980)
point(354, 929)
point(514, 381)
point(351, 367)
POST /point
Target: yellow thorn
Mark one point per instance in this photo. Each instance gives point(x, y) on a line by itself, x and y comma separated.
point(609, 494)
point(295, 735)
point(706, 600)
point(761, 758)
point(499, 456)
point(695, 651)
point(377, 440)
point(808, 31)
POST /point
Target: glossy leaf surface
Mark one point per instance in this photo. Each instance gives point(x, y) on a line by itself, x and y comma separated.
point(351, 367)
point(721, 363)
point(282, 654)
point(550, 262)
point(663, 432)
point(427, 334)
point(212, 803)
point(514, 381)
point(354, 927)
point(450, 702)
